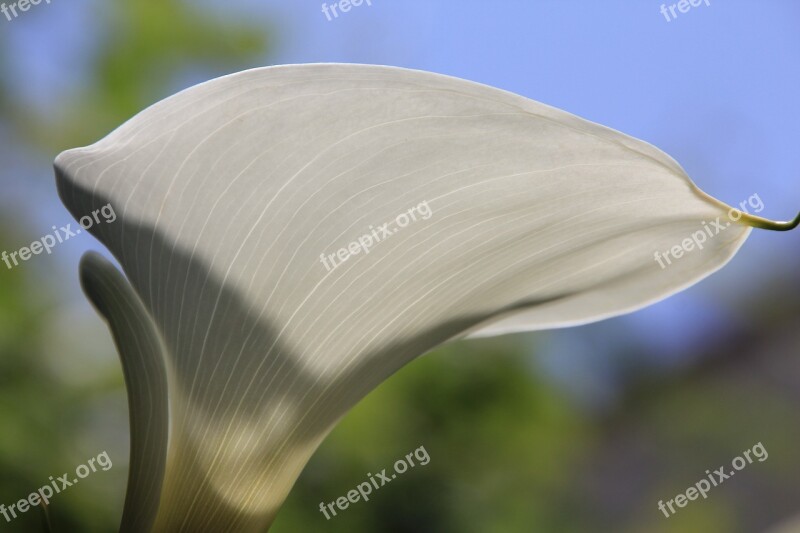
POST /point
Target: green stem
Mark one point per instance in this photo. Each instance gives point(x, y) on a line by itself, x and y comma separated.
point(763, 223)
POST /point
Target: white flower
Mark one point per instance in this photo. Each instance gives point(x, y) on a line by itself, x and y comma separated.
point(241, 352)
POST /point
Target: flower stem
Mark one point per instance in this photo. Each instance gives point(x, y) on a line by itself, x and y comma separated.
point(763, 223)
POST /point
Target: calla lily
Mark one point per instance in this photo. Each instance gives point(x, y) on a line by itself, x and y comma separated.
point(248, 322)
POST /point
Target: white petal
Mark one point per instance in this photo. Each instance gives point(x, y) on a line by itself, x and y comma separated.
point(229, 192)
point(142, 355)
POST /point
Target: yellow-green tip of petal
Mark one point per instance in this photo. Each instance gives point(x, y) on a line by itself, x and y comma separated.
point(763, 223)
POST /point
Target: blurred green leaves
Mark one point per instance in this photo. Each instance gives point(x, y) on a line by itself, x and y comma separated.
point(40, 416)
point(502, 444)
point(147, 48)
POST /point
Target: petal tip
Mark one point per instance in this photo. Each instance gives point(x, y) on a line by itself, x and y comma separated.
point(763, 223)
